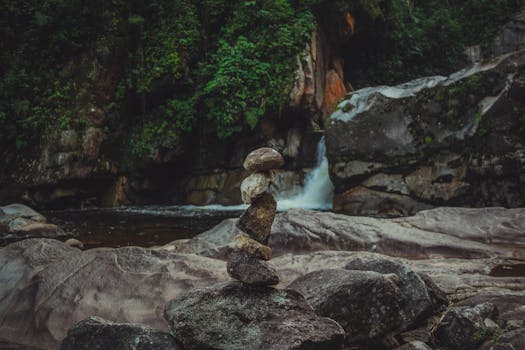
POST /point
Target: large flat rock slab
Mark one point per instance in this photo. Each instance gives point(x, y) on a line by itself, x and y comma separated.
point(46, 287)
point(442, 232)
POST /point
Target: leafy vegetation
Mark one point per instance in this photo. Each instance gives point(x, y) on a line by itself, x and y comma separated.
point(178, 65)
point(396, 42)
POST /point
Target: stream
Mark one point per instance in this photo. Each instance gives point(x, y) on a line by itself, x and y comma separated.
point(148, 226)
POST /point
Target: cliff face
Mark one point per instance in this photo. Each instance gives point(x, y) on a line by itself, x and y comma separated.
point(142, 119)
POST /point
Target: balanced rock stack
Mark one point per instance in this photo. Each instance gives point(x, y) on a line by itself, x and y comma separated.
point(249, 262)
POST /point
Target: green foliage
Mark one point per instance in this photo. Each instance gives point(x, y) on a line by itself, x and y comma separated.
point(396, 42)
point(252, 70)
point(38, 40)
point(219, 65)
point(237, 68)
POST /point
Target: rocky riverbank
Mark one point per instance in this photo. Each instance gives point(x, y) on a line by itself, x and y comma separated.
point(473, 255)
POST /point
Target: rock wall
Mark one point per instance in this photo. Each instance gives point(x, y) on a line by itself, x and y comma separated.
point(320, 82)
point(457, 140)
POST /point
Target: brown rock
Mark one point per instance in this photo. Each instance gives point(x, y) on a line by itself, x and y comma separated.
point(263, 159)
point(252, 248)
point(73, 242)
point(257, 220)
point(334, 91)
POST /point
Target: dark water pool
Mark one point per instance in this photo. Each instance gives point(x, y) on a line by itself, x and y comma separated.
point(142, 226)
point(508, 270)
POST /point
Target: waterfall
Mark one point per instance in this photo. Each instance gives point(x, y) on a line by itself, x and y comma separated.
point(317, 191)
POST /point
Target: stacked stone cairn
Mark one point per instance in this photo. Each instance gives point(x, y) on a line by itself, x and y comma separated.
point(249, 261)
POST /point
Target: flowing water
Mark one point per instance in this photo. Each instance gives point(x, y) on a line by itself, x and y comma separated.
point(156, 225)
point(317, 191)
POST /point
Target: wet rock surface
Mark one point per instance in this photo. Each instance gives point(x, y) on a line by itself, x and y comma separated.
point(96, 333)
point(237, 316)
point(431, 142)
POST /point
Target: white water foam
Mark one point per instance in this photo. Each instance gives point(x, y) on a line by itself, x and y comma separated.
point(317, 191)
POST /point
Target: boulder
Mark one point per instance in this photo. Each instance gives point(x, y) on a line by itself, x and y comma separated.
point(251, 270)
point(20, 221)
point(430, 142)
point(263, 159)
point(96, 333)
point(465, 328)
point(72, 242)
point(257, 220)
point(255, 185)
point(421, 297)
point(368, 305)
point(235, 316)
